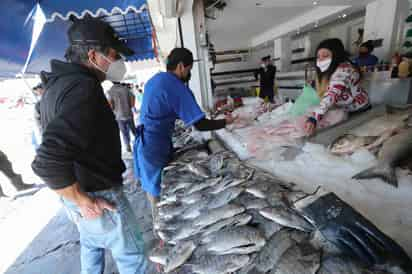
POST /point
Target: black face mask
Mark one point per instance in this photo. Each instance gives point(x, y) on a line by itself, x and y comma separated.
point(363, 53)
point(187, 78)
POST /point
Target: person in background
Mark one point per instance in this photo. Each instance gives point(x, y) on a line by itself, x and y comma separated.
point(122, 100)
point(80, 155)
point(366, 58)
point(15, 179)
point(166, 98)
point(139, 98)
point(266, 74)
point(337, 83)
point(138, 104)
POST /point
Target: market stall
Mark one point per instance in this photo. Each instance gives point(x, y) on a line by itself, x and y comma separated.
point(310, 164)
point(272, 136)
point(218, 214)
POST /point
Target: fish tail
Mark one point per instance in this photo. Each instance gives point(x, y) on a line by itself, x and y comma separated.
point(386, 173)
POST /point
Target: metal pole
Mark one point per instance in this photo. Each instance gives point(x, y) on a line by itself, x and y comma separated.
point(179, 22)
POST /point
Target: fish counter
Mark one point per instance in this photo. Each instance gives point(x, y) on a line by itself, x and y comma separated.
point(368, 148)
point(219, 215)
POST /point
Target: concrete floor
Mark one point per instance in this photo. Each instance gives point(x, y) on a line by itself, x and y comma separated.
point(55, 249)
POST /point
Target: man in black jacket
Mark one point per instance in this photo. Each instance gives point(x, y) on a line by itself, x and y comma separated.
point(267, 74)
point(80, 155)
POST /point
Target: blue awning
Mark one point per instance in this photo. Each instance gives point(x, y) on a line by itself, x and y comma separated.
point(34, 32)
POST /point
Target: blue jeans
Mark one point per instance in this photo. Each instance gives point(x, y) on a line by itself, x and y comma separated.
point(126, 126)
point(117, 231)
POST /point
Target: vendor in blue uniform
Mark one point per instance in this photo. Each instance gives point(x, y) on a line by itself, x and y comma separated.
point(366, 58)
point(166, 98)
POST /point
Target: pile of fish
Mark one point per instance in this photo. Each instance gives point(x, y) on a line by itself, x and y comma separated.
point(217, 215)
point(393, 145)
point(183, 136)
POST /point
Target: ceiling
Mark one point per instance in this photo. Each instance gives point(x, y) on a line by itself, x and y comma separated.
point(242, 20)
point(294, 3)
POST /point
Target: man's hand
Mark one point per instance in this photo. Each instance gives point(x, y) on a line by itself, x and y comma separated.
point(230, 119)
point(310, 127)
point(90, 208)
point(94, 208)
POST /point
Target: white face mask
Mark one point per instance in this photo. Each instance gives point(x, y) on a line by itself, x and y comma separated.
point(324, 65)
point(263, 65)
point(116, 70)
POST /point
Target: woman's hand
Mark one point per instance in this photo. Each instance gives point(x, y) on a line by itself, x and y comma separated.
point(310, 126)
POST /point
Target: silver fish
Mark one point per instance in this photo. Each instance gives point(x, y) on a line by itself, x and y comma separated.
point(349, 143)
point(287, 217)
point(245, 172)
point(245, 198)
point(184, 211)
point(257, 192)
point(194, 197)
point(159, 255)
point(226, 183)
point(172, 188)
point(193, 193)
point(267, 226)
point(216, 163)
point(184, 232)
point(169, 211)
point(224, 197)
point(172, 225)
point(179, 255)
point(171, 166)
point(194, 210)
point(275, 247)
point(196, 187)
point(278, 198)
point(235, 240)
point(298, 259)
point(199, 170)
point(214, 215)
point(396, 149)
point(220, 264)
point(264, 189)
point(256, 204)
point(238, 220)
point(193, 155)
point(167, 201)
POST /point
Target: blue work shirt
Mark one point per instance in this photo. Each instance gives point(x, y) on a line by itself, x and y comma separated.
point(366, 61)
point(165, 100)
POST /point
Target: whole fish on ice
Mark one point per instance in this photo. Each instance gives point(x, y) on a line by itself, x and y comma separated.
point(287, 217)
point(396, 149)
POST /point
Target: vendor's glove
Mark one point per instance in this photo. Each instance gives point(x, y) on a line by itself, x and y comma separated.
point(353, 234)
